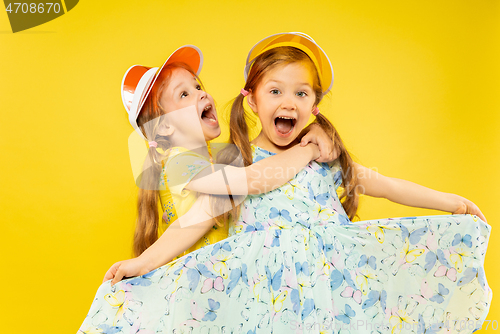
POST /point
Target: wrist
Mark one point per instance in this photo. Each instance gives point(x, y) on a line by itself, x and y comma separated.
point(147, 262)
point(308, 149)
point(314, 151)
point(453, 203)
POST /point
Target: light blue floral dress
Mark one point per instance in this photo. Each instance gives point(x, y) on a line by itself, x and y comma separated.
point(295, 263)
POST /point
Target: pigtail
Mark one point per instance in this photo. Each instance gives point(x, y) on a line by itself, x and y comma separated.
point(238, 153)
point(238, 130)
point(146, 230)
point(326, 125)
point(349, 197)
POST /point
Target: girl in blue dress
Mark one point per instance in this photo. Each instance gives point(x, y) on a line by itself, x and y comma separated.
point(295, 262)
point(168, 107)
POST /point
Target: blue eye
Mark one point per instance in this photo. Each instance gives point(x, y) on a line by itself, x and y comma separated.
point(275, 91)
point(301, 94)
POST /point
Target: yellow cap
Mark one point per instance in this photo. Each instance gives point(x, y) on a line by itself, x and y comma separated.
point(302, 42)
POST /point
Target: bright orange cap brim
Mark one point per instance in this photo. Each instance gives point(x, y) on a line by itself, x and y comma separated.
point(187, 54)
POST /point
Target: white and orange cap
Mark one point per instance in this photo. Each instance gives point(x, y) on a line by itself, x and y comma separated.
point(302, 42)
point(138, 80)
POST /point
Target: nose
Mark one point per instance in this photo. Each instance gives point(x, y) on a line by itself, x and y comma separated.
point(288, 103)
point(203, 94)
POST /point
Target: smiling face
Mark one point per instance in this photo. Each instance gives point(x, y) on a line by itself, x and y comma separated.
point(283, 100)
point(183, 90)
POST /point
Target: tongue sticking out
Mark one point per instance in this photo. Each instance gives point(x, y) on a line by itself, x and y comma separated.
point(283, 125)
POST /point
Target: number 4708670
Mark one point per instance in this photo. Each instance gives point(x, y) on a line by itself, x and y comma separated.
point(23, 7)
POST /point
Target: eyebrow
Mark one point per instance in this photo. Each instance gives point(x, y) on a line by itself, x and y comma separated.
point(176, 87)
point(278, 81)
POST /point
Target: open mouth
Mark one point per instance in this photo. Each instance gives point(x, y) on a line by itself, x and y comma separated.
point(208, 115)
point(284, 125)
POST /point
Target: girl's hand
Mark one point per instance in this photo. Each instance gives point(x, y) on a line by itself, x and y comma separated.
point(127, 268)
point(464, 206)
point(316, 135)
point(315, 152)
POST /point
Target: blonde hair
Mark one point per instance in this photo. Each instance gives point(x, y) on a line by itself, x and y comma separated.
point(238, 128)
point(146, 230)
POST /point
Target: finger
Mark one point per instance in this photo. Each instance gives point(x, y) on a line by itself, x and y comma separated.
point(305, 140)
point(480, 215)
point(109, 275)
point(331, 156)
point(327, 157)
point(323, 150)
point(111, 272)
point(118, 277)
point(330, 145)
point(336, 153)
point(322, 157)
point(475, 211)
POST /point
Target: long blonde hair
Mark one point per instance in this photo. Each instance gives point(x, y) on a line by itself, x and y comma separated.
point(146, 230)
point(238, 128)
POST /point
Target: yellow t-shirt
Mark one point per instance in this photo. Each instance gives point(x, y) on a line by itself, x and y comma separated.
point(178, 170)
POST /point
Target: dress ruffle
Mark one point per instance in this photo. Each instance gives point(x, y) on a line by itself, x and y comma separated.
point(295, 263)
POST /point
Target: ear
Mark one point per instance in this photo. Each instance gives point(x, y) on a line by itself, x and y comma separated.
point(251, 101)
point(165, 130)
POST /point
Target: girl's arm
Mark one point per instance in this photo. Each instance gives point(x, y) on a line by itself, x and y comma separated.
point(267, 174)
point(260, 177)
point(408, 193)
point(174, 241)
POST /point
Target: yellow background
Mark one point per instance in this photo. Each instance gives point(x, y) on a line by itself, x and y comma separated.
point(416, 95)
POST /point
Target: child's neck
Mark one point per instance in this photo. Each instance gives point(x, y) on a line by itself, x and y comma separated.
point(263, 142)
